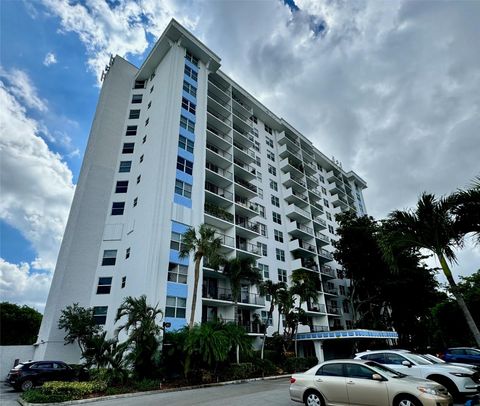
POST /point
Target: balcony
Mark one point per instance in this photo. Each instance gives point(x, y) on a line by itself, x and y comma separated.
point(216, 86)
point(328, 271)
point(219, 120)
point(314, 193)
point(217, 216)
point(294, 197)
point(244, 188)
point(324, 255)
point(302, 248)
point(227, 243)
point(319, 222)
point(247, 228)
point(245, 207)
point(289, 165)
point(225, 295)
point(316, 208)
point(247, 249)
point(296, 213)
point(335, 311)
point(218, 138)
point(218, 155)
point(331, 291)
point(285, 151)
point(318, 329)
point(322, 239)
point(290, 140)
point(244, 170)
point(241, 105)
point(289, 180)
point(310, 167)
point(339, 201)
point(217, 195)
point(332, 176)
point(305, 263)
point(312, 182)
point(222, 107)
point(218, 176)
point(299, 230)
point(241, 120)
point(315, 308)
point(243, 153)
point(242, 137)
point(250, 327)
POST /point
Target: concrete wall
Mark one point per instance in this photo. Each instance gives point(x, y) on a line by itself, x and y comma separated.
point(9, 353)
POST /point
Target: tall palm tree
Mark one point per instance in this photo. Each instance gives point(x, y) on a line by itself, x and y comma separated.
point(143, 332)
point(437, 225)
point(237, 270)
point(203, 244)
point(272, 289)
point(285, 303)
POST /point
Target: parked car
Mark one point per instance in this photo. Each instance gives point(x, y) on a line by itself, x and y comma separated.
point(464, 355)
point(27, 375)
point(366, 383)
point(435, 360)
point(458, 380)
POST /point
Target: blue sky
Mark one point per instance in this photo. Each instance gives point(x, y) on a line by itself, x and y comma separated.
point(381, 86)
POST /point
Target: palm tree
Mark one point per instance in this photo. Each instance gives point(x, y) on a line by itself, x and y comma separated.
point(203, 244)
point(271, 289)
point(285, 303)
point(437, 225)
point(237, 270)
point(143, 332)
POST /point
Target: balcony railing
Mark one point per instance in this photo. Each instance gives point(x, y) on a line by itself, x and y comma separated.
point(219, 171)
point(246, 203)
point(306, 246)
point(320, 308)
point(325, 269)
point(216, 211)
point(248, 247)
point(249, 326)
point(219, 151)
point(219, 133)
point(245, 166)
point(298, 167)
point(332, 291)
point(304, 228)
point(322, 237)
point(209, 292)
point(333, 310)
point(210, 187)
point(320, 221)
point(318, 329)
point(237, 100)
point(249, 225)
point(300, 195)
point(309, 263)
point(225, 239)
point(245, 184)
point(248, 136)
point(326, 254)
point(250, 152)
point(223, 119)
point(218, 85)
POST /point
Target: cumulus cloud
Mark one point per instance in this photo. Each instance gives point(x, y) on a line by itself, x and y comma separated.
point(50, 59)
point(36, 184)
point(20, 284)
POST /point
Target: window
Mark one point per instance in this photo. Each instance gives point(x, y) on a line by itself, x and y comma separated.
point(254, 131)
point(183, 189)
point(263, 229)
point(188, 105)
point(331, 370)
point(258, 161)
point(185, 144)
point(139, 84)
point(325, 202)
point(278, 235)
point(177, 273)
point(109, 257)
point(127, 253)
point(147, 121)
point(151, 89)
point(260, 192)
point(275, 201)
point(322, 179)
point(190, 73)
point(149, 105)
point(329, 216)
point(104, 286)
point(256, 146)
point(342, 289)
point(118, 208)
point(282, 275)
point(358, 371)
point(254, 119)
point(259, 176)
point(131, 130)
point(190, 89)
point(191, 58)
point(139, 178)
point(280, 254)
point(277, 218)
point(121, 186)
point(141, 158)
point(265, 319)
point(187, 124)
point(273, 185)
point(176, 241)
point(134, 114)
point(381, 358)
point(125, 166)
point(261, 210)
point(330, 228)
point(135, 202)
point(137, 98)
point(176, 307)
point(124, 281)
point(346, 306)
point(184, 165)
point(269, 142)
point(272, 170)
point(394, 359)
point(271, 156)
point(144, 139)
point(324, 191)
point(262, 248)
point(100, 314)
point(268, 129)
point(264, 270)
point(128, 148)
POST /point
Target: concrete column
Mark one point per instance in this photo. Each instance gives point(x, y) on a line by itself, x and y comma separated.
point(318, 345)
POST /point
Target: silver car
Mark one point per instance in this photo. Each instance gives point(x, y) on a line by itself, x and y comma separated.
point(364, 383)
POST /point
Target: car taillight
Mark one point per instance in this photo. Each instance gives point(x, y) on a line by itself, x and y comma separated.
point(292, 380)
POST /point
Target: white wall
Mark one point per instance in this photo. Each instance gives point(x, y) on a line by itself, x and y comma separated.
point(9, 353)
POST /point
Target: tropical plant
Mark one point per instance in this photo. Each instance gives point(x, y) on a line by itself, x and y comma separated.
point(143, 333)
point(20, 324)
point(79, 324)
point(203, 244)
point(286, 304)
point(237, 338)
point(269, 288)
point(440, 226)
point(238, 270)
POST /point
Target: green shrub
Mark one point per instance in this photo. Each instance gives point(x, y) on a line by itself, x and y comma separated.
point(299, 364)
point(146, 385)
point(37, 396)
point(72, 390)
point(243, 370)
point(264, 367)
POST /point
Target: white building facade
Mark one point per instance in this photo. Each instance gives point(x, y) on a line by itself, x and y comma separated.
point(177, 143)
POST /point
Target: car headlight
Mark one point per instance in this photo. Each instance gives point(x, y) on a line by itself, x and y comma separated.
point(461, 374)
point(430, 390)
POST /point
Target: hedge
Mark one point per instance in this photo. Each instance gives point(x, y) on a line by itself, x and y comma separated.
point(57, 391)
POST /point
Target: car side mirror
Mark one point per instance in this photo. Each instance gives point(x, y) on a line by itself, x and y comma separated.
point(378, 377)
point(407, 364)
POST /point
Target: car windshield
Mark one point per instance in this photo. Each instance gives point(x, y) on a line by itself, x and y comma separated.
point(417, 359)
point(382, 369)
point(18, 366)
point(433, 359)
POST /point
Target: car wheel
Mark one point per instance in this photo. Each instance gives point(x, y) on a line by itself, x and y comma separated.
point(313, 398)
point(26, 385)
point(406, 400)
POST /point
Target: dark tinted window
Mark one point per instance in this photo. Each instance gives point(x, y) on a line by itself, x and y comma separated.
point(358, 371)
point(458, 351)
point(59, 366)
point(395, 359)
point(380, 358)
point(331, 370)
point(472, 352)
point(43, 365)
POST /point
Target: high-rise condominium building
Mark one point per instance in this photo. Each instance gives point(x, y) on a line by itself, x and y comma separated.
point(174, 144)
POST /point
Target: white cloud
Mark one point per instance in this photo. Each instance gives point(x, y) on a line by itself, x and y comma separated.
point(36, 184)
point(19, 284)
point(50, 59)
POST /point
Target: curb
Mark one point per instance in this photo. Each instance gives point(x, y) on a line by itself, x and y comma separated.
point(153, 392)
